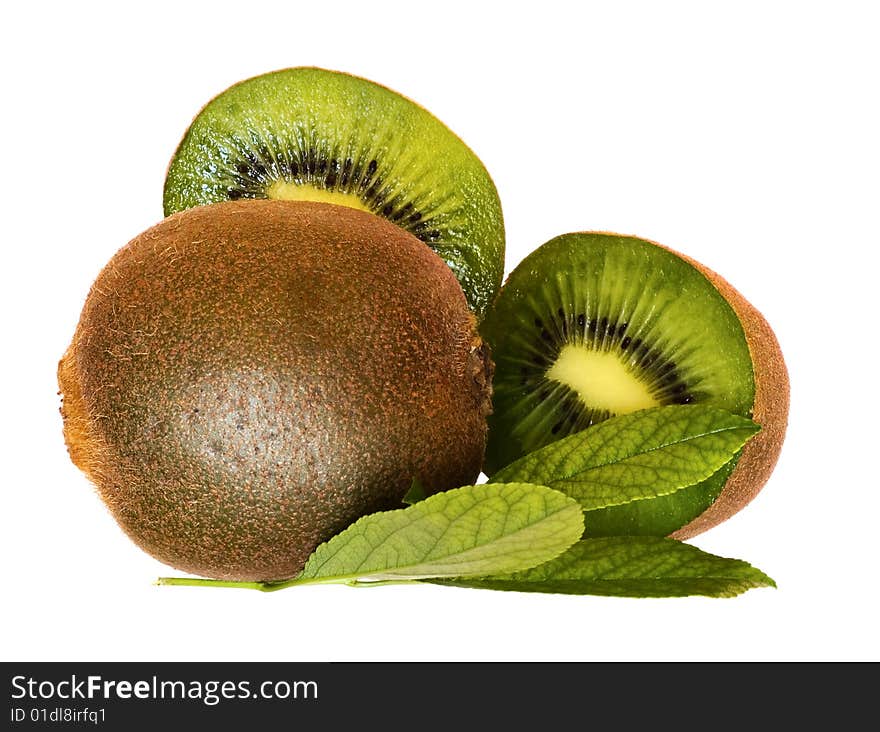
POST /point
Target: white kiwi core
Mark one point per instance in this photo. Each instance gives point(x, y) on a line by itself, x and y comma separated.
point(601, 380)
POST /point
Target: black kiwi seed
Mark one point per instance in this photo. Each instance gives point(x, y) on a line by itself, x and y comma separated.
point(402, 213)
point(355, 175)
point(367, 180)
point(382, 197)
point(346, 172)
point(373, 191)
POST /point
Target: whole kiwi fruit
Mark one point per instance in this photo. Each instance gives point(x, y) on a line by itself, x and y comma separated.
point(593, 324)
point(249, 378)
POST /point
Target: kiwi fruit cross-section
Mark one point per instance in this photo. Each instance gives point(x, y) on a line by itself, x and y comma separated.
point(249, 378)
point(593, 325)
point(316, 135)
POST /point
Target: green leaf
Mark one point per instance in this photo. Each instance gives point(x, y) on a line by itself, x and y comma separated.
point(472, 531)
point(477, 530)
point(646, 454)
point(631, 566)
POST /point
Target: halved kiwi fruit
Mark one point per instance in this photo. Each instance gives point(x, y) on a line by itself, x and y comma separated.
point(249, 378)
point(316, 135)
point(593, 325)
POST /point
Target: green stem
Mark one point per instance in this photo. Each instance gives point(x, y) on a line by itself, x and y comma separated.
point(280, 585)
point(193, 582)
point(381, 583)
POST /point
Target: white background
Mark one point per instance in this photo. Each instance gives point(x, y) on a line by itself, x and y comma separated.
point(745, 135)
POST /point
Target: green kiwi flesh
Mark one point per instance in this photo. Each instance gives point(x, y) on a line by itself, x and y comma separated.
point(249, 378)
point(313, 134)
point(591, 325)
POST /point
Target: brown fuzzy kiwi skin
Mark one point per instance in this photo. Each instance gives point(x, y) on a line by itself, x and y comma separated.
point(770, 411)
point(248, 378)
